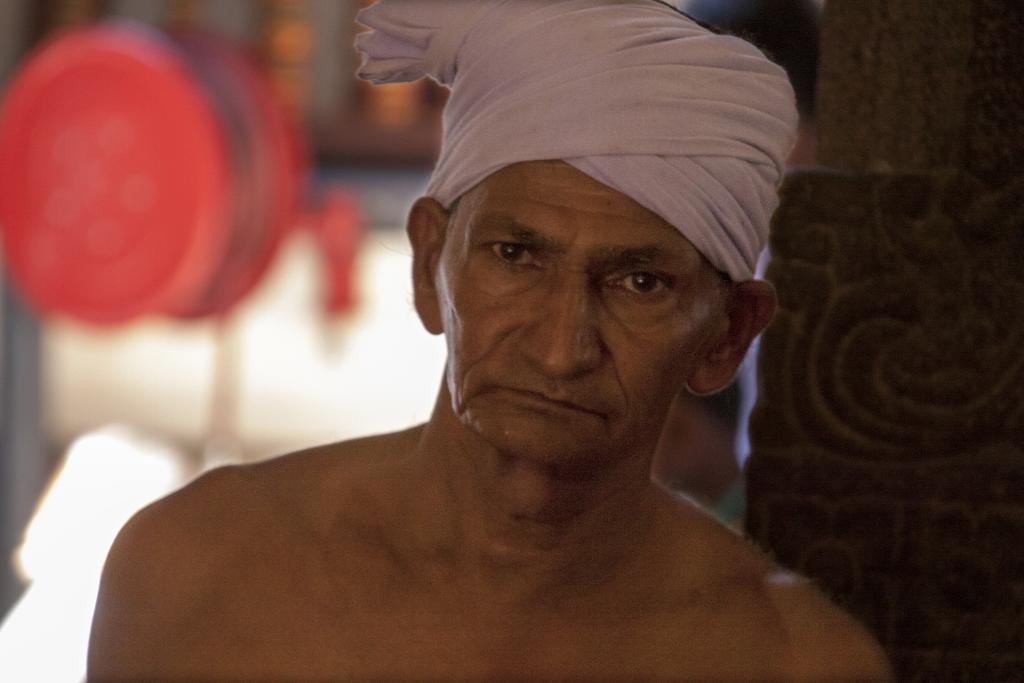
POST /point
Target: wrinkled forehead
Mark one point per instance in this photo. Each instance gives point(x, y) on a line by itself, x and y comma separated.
point(553, 199)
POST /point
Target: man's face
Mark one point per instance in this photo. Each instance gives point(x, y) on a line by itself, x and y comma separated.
point(573, 315)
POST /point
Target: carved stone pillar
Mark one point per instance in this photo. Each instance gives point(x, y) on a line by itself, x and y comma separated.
point(888, 443)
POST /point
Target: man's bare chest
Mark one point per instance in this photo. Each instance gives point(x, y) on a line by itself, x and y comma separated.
point(265, 627)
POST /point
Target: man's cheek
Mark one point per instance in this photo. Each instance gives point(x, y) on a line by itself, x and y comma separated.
point(470, 351)
point(486, 320)
point(652, 380)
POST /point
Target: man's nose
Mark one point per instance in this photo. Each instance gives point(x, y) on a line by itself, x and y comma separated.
point(563, 338)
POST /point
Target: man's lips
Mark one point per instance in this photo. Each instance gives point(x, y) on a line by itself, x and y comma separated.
point(559, 402)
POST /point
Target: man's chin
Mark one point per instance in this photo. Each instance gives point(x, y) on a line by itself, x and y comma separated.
point(544, 438)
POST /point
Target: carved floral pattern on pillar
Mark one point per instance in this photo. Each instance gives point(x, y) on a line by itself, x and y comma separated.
point(889, 455)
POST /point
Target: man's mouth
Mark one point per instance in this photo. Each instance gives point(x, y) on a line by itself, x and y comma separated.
point(561, 403)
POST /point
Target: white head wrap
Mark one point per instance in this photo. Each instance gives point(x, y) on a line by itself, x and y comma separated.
point(692, 125)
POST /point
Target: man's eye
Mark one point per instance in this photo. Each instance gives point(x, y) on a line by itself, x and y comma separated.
point(510, 252)
point(642, 283)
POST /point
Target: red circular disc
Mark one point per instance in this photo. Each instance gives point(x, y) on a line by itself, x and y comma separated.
point(113, 176)
point(269, 164)
point(281, 163)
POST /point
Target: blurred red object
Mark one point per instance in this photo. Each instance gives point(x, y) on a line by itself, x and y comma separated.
point(337, 227)
point(143, 172)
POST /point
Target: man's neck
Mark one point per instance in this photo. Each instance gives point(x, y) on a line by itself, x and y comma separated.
point(519, 531)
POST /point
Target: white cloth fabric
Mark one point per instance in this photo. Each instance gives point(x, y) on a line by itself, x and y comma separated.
point(692, 125)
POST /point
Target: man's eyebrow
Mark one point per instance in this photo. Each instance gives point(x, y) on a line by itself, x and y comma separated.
point(516, 230)
point(629, 256)
point(606, 257)
point(640, 257)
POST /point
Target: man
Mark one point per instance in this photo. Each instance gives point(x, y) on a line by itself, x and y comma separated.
point(585, 255)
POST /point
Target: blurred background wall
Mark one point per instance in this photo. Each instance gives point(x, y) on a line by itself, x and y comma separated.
point(284, 369)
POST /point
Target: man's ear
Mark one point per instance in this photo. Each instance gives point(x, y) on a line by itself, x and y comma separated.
point(750, 308)
point(426, 227)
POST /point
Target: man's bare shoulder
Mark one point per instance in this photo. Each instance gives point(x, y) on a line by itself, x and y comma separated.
point(218, 505)
point(827, 644)
point(718, 552)
point(174, 556)
point(215, 510)
point(792, 622)
point(822, 642)
point(331, 463)
point(158, 568)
